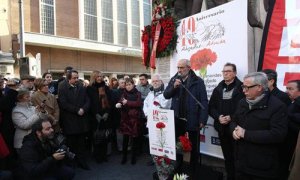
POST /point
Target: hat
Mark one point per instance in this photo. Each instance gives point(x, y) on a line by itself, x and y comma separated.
point(21, 92)
point(13, 82)
point(2, 77)
point(27, 77)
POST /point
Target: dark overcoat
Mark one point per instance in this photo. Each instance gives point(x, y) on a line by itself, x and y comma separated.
point(216, 106)
point(265, 127)
point(70, 100)
point(195, 114)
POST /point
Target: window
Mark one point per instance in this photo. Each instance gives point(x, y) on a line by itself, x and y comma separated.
point(47, 17)
point(147, 12)
point(90, 20)
point(107, 21)
point(135, 10)
point(122, 22)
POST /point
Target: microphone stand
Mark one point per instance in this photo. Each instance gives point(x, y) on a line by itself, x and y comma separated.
point(189, 92)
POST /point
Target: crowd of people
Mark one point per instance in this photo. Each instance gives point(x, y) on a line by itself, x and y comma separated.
point(49, 127)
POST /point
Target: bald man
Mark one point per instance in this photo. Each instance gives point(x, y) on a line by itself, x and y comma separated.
point(186, 90)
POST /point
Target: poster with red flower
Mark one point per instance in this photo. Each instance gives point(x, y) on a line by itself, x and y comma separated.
point(211, 39)
point(162, 133)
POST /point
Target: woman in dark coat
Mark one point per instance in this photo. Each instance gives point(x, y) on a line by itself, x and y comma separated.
point(100, 113)
point(130, 126)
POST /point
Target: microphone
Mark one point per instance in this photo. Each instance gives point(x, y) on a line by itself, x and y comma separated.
point(179, 76)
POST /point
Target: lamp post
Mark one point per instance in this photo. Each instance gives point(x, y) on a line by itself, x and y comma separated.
point(21, 18)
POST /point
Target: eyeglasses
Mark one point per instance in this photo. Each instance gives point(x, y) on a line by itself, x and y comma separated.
point(248, 87)
point(227, 71)
point(181, 67)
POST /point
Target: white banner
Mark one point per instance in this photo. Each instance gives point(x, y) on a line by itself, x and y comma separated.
point(162, 133)
point(209, 40)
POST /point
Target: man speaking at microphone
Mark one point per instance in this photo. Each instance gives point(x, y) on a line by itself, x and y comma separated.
point(190, 105)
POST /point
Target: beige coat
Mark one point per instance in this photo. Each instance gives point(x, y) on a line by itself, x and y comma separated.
point(51, 106)
point(295, 163)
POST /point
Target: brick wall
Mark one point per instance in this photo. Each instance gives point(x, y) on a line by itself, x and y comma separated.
point(58, 59)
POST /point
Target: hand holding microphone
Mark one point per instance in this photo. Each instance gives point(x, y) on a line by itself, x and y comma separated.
point(178, 81)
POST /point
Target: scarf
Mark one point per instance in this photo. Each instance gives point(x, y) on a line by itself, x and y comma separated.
point(254, 101)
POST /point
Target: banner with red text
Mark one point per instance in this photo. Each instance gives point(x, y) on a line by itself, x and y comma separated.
point(209, 40)
point(281, 42)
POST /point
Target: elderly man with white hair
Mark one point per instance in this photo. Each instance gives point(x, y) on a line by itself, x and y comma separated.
point(155, 98)
point(259, 127)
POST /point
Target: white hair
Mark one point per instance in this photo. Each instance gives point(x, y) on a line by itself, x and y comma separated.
point(186, 62)
point(259, 78)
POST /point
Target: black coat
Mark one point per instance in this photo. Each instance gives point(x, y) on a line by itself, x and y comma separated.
point(265, 129)
point(194, 114)
point(70, 100)
point(95, 103)
point(116, 113)
point(7, 103)
point(218, 106)
point(36, 160)
point(281, 95)
point(294, 116)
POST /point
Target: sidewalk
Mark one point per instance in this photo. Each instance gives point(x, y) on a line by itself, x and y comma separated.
point(113, 170)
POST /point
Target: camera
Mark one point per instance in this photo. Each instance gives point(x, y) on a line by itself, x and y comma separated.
point(59, 144)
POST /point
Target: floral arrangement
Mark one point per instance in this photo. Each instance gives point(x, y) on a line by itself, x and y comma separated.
point(180, 177)
point(184, 144)
point(164, 166)
point(163, 23)
point(201, 59)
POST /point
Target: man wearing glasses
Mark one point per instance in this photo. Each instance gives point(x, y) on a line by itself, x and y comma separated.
point(190, 105)
point(259, 127)
point(222, 105)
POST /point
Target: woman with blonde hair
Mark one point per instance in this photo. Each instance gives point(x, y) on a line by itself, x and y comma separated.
point(100, 113)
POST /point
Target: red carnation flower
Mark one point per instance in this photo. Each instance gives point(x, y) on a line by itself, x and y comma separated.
point(203, 58)
point(156, 103)
point(160, 125)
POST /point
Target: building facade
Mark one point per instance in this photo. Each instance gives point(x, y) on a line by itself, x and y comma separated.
point(85, 34)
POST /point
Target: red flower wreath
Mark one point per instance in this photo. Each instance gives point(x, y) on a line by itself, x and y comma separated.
point(162, 13)
point(167, 35)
